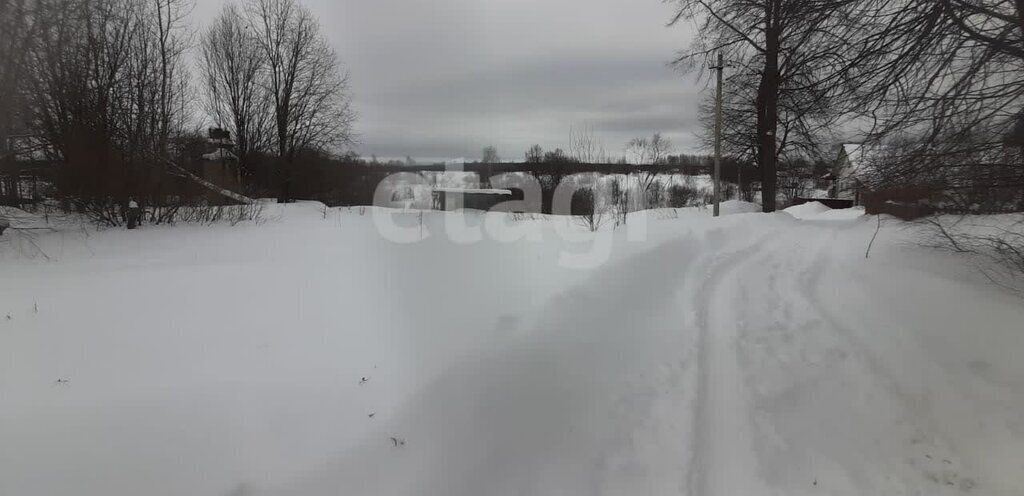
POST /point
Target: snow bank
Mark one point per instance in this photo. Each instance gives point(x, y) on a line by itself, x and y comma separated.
point(818, 211)
point(809, 209)
point(730, 207)
point(840, 214)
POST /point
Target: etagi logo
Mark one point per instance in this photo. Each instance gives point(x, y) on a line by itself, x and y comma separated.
point(588, 214)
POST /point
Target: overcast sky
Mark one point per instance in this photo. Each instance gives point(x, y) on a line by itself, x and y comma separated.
point(444, 78)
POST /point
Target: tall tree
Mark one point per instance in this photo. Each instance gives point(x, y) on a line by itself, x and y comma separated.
point(108, 93)
point(948, 84)
point(311, 100)
point(637, 150)
point(19, 23)
point(236, 96)
point(794, 53)
point(947, 67)
point(535, 155)
point(584, 147)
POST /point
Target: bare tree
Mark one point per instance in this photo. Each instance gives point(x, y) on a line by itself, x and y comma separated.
point(490, 155)
point(588, 208)
point(946, 83)
point(641, 151)
point(535, 155)
point(19, 22)
point(795, 54)
point(557, 156)
point(637, 150)
point(659, 148)
point(234, 74)
point(171, 42)
point(311, 100)
point(804, 123)
point(584, 147)
point(109, 92)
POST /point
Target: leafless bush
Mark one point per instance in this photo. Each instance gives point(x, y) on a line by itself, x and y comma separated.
point(24, 242)
point(522, 216)
point(997, 244)
point(210, 214)
point(729, 190)
point(792, 188)
point(588, 210)
point(594, 221)
point(670, 213)
point(682, 195)
point(584, 147)
point(619, 200)
point(656, 194)
point(941, 236)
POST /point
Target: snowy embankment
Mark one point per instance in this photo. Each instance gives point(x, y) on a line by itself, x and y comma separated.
point(749, 354)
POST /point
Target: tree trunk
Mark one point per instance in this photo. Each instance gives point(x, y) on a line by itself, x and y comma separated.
point(283, 160)
point(767, 115)
point(284, 179)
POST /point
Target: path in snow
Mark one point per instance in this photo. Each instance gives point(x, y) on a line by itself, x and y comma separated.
point(855, 405)
point(723, 449)
point(736, 340)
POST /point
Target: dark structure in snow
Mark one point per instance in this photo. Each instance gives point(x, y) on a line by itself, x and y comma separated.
point(479, 199)
point(220, 165)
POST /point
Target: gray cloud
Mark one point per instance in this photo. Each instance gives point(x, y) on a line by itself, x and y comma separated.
point(445, 78)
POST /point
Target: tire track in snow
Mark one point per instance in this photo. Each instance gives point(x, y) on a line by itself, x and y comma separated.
point(878, 450)
point(724, 462)
point(923, 435)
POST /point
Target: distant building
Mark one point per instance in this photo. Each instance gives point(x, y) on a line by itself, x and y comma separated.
point(220, 165)
point(27, 148)
point(854, 163)
point(479, 199)
point(23, 159)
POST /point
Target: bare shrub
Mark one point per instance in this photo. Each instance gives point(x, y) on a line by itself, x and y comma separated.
point(729, 190)
point(24, 242)
point(998, 244)
point(619, 200)
point(792, 188)
point(587, 209)
point(203, 213)
point(656, 194)
point(522, 216)
point(681, 195)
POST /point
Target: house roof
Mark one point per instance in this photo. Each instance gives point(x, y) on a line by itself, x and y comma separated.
point(859, 158)
point(1015, 136)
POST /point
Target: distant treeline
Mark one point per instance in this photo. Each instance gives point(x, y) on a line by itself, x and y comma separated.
point(351, 180)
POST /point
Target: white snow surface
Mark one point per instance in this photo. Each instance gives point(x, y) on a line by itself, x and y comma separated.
point(747, 354)
point(819, 211)
point(807, 210)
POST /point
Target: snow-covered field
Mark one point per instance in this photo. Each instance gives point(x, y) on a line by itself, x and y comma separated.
point(309, 355)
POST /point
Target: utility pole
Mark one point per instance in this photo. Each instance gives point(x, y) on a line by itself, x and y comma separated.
point(718, 132)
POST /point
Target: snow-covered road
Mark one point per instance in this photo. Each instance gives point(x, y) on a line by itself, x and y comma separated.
point(751, 354)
